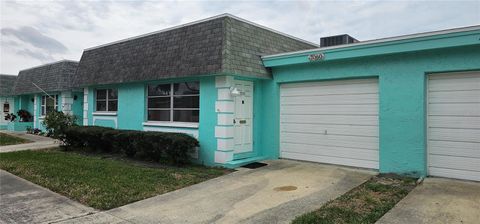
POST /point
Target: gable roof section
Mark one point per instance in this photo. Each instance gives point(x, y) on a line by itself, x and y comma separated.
point(218, 45)
point(51, 77)
point(464, 36)
point(6, 84)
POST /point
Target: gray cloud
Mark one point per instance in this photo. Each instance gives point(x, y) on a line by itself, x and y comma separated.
point(41, 56)
point(36, 38)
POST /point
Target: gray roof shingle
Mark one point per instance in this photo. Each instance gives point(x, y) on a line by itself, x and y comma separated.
point(6, 84)
point(57, 76)
point(220, 45)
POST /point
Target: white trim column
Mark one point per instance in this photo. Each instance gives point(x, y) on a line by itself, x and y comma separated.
point(85, 106)
point(35, 111)
point(224, 130)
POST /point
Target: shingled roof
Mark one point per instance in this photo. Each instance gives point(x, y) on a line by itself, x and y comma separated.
point(6, 84)
point(57, 76)
point(223, 44)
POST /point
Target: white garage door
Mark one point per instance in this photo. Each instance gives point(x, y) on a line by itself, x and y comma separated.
point(454, 125)
point(330, 122)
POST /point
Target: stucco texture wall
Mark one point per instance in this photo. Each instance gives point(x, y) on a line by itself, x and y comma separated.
point(402, 87)
point(132, 109)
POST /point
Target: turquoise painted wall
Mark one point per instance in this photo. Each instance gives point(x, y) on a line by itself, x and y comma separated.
point(132, 112)
point(131, 106)
point(402, 98)
point(208, 120)
point(77, 107)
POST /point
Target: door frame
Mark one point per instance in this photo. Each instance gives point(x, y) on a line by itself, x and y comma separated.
point(243, 155)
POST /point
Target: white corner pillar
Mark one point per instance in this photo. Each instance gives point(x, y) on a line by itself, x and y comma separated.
point(35, 111)
point(224, 130)
point(85, 106)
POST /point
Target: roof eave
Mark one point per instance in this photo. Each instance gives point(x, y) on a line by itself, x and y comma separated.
point(435, 40)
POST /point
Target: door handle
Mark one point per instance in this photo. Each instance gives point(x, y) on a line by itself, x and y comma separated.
point(243, 121)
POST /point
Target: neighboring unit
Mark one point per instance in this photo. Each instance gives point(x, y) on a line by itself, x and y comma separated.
point(42, 89)
point(6, 98)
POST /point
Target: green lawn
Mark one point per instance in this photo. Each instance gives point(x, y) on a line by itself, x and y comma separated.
point(6, 139)
point(364, 204)
point(100, 182)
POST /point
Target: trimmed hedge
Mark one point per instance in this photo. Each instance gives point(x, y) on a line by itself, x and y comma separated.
point(146, 145)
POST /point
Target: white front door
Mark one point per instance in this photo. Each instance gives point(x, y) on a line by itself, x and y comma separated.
point(243, 117)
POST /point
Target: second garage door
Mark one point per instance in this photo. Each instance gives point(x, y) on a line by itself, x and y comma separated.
point(330, 122)
point(454, 125)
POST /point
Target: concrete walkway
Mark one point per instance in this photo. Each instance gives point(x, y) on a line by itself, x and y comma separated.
point(276, 193)
point(39, 142)
point(438, 200)
point(25, 202)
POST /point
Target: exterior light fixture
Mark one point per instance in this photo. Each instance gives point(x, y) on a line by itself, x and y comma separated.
point(235, 92)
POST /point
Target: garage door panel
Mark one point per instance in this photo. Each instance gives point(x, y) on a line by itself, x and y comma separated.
point(453, 173)
point(333, 129)
point(314, 89)
point(454, 109)
point(331, 109)
point(454, 125)
point(458, 135)
point(455, 162)
point(333, 151)
point(450, 83)
point(449, 148)
point(465, 96)
point(331, 140)
point(332, 160)
point(454, 122)
point(330, 119)
point(369, 98)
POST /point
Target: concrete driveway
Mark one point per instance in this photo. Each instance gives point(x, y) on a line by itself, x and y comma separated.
point(271, 194)
point(438, 200)
point(24, 202)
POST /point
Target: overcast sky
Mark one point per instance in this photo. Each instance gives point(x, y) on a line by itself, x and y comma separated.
point(38, 32)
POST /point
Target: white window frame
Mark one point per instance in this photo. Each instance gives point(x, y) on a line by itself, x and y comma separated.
point(107, 90)
point(43, 103)
point(172, 97)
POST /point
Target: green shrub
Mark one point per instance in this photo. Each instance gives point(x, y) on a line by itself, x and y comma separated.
point(56, 122)
point(152, 146)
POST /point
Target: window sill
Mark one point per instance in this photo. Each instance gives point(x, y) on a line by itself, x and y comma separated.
point(171, 124)
point(42, 117)
point(98, 113)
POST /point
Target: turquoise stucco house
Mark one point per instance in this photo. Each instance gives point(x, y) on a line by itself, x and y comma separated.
point(44, 88)
point(407, 104)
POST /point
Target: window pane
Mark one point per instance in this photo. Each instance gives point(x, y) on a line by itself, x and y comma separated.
point(101, 106)
point(185, 115)
point(185, 102)
point(101, 94)
point(159, 90)
point(112, 94)
point(159, 102)
point(112, 105)
point(159, 115)
point(43, 100)
point(186, 88)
